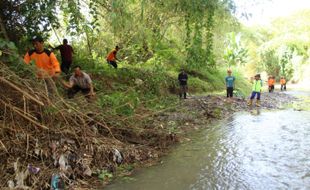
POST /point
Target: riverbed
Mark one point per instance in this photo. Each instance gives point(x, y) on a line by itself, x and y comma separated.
point(253, 149)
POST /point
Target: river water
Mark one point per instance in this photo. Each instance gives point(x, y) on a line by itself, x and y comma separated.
point(255, 149)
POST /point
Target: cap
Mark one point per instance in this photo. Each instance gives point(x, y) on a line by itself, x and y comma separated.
point(257, 75)
point(37, 39)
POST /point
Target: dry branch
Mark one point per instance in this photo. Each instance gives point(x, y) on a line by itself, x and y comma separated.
point(22, 114)
point(22, 91)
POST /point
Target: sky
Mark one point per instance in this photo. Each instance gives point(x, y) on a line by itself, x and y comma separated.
point(267, 10)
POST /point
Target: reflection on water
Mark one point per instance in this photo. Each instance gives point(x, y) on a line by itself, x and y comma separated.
point(252, 150)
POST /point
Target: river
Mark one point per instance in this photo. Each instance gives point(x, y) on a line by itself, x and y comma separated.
point(255, 149)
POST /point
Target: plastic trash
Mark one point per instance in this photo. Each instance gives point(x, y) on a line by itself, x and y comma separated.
point(87, 171)
point(117, 156)
point(57, 183)
point(33, 170)
point(63, 162)
point(20, 175)
point(37, 149)
point(11, 184)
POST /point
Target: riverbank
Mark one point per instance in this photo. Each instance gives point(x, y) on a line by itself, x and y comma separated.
point(252, 149)
point(198, 112)
point(132, 123)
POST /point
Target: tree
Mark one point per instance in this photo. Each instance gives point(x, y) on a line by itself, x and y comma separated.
point(235, 53)
point(19, 18)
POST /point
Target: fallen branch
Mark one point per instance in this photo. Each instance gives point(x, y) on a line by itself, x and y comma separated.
point(21, 113)
point(20, 90)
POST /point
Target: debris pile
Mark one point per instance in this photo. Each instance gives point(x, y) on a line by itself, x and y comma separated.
point(52, 143)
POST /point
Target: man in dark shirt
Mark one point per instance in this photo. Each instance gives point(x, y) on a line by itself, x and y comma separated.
point(66, 55)
point(183, 83)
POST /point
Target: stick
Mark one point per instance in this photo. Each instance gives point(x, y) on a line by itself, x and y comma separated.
point(97, 122)
point(20, 112)
point(20, 90)
point(4, 146)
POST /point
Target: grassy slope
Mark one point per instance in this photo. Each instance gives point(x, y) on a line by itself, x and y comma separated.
point(154, 87)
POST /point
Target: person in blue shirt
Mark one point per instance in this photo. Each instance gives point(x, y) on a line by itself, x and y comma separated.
point(230, 84)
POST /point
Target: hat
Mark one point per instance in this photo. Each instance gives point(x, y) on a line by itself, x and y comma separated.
point(37, 39)
point(257, 75)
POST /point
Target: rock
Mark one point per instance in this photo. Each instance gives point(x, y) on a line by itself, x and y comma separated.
point(138, 81)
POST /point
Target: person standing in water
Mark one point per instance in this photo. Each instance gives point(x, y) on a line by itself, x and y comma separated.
point(256, 90)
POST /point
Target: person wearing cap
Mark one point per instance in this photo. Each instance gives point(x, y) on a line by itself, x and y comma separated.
point(230, 84)
point(45, 61)
point(256, 90)
point(283, 83)
point(66, 52)
point(111, 58)
point(183, 83)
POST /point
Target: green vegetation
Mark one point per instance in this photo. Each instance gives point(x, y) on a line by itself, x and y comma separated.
point(280, 49)
point(157, 38)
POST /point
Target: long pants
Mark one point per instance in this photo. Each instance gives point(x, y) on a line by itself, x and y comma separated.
point(230, 92)
point(75, 89)
point(271, 88)
point(65, 66)
point(283, 87)
point(113, 63)
point(183, 90)
point(254, 94)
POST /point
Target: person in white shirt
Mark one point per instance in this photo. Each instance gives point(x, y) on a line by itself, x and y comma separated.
point(79, 81)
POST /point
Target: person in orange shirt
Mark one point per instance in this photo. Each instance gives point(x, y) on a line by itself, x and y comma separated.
point(283, 83)
point(46, 63)
point(271, 83)
point(111, 58)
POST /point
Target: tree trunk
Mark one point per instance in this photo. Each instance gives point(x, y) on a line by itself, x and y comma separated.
point(3, 30)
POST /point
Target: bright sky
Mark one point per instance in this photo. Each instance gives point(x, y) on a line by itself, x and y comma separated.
point(268, 10)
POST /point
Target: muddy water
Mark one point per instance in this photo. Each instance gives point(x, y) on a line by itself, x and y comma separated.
point(256, 149)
